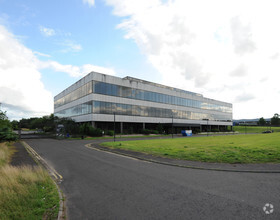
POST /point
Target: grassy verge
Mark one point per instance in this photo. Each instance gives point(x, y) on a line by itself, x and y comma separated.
point(254, 129)
point(25, 192)
point(258, 148)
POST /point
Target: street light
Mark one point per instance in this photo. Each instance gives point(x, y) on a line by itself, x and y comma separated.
point(207, 126)
point(172, 126)
point(206, 119)
point(114, 126)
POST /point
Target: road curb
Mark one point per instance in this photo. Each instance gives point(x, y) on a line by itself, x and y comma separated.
point(98, 147)
point(56, 177)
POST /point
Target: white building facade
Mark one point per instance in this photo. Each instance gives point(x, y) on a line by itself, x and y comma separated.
point(137, 104)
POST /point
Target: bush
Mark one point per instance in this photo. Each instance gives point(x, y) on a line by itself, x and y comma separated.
point(159, 128)
point(110, 133)
point(7, 135)
point(93, 132)
point(148, 131)
point(6, 131)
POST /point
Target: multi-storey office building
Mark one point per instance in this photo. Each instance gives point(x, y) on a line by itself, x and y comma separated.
point(136, 104)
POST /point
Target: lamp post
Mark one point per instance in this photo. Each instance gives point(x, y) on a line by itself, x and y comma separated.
point(114, 126)
point(207, 126)
point(206, 119)
point(172, 126)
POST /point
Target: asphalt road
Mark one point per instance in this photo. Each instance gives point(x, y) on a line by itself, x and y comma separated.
point(101, 185)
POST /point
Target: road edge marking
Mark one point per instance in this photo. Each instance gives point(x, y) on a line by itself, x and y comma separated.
point(109, 152)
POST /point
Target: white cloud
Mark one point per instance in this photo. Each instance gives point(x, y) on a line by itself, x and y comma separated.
point(70, 46)
point(240, 71)
point(241, 37)
point(75, 71)
point(22, 92)
point(41, 54)
point(20, 83)
point(47, 32)
point(89, 2)
point(218, 48)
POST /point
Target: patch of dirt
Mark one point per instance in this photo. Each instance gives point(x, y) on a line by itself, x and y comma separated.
point(21, 157)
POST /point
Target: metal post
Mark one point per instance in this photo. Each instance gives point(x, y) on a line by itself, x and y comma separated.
point(19, 131)
point(114, 126)
point(172, 126)
point(121, 127)
point(245, 128)
point(207, 126)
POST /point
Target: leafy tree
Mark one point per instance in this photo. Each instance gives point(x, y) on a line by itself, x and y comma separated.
point(6, 131)
point(262, 122)
point(275, 120)
point(87, 129)
point(70, 126)
point(15, 124)
point(3, 116)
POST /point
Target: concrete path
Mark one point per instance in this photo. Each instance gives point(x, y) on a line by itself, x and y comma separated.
point(101, 185)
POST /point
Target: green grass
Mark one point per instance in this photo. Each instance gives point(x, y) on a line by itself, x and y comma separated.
point(257, 148)
point(26, 192)
point(254, 129)
point(5, 153)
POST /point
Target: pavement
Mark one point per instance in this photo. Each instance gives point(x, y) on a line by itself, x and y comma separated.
point(21, 157)
point(105, 185)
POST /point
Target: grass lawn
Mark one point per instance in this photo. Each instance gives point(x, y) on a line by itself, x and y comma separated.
point(25, 192)
point(256, 148)
point(254, 129)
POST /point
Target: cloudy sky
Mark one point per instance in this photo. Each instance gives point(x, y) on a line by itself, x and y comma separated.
point(225, 50)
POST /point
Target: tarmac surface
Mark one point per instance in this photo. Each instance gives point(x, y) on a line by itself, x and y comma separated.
point(20, 157)
point(104, 185)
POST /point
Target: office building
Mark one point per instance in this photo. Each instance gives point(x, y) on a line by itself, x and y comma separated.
point(136, 104)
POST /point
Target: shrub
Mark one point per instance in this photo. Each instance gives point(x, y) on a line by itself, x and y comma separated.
point(94, 132)
point(6, 134)
point(159, 128)
point(110, 133)
point(148, 131)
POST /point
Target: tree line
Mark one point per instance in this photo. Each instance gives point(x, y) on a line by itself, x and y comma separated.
point(274, 121)
point(46, 124)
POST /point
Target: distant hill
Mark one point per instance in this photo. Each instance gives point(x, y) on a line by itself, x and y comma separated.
point(248, 121)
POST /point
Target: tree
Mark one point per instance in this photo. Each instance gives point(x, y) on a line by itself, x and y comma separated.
point(15, 124)
point(262, 122)
point(275, 120)
point(3, 115)
point(6, 131)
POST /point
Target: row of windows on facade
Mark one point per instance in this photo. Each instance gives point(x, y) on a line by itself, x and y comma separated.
point(126, 92)
point(98, 107)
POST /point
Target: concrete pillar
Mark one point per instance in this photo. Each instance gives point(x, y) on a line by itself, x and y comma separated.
point(121, 127)
point(93, 124)
point(143, 126)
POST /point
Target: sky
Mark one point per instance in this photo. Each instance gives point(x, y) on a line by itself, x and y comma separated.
point(225, 50)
